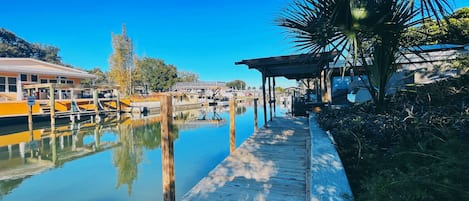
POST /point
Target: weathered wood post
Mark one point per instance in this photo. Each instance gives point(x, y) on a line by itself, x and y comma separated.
point(256, 125)
point(275, 97)
point(232, 125)
point(72, 106)
point(30, 115)
point(264, 99)
point(118, 102)
point(270, 99)
point(167, 148)
point(52, 105)
point(96, 104)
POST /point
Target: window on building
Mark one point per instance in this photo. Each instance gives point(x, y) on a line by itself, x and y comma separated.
point(2, 84)
point(53, 81)
point(43, 81)
point(12, 84)
point(69, 81)
point(33, 78)
point(24, 77)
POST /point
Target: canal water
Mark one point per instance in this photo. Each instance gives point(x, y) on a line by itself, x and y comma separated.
point(118, 159)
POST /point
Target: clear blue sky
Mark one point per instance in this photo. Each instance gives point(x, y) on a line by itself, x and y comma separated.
point(204, 36)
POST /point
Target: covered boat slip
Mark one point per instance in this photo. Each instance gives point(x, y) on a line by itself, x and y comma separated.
point(298, 67)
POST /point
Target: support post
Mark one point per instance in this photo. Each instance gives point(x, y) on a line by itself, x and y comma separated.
point(72, 94)
point(96, 103)
point(270, 99)
point(293, 99)
point(232, 125)
point(52, 105)
point(167, 151)
point(30, 116)
point(329, 83)
point(118, 102)
point(275, 97)
point(73, 106)
point(256, 126)
point(264, 98)
point(328, 86)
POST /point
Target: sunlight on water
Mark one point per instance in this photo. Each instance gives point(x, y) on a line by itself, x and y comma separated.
point(119, 159)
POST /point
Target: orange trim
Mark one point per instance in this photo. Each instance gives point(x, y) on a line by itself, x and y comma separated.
point(12, 108)
point(17, 108)
point(9, 74)
point(17, 138)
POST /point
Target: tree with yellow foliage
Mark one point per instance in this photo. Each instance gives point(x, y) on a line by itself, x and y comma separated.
point(121, 61)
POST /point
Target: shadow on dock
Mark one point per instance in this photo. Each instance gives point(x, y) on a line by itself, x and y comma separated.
point(270, 165)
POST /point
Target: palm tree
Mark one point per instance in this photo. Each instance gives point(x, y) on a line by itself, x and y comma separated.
point(369, 32)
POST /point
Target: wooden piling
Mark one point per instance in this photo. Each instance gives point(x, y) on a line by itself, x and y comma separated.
point(96, 105)
point(232, 125)
point(52, 105)
point(30, 116)
point(118, 102)
point(72, 106)
point(264, 99)
point(95, 102)
point(256, 125)
point(270, 98)
point(167, 149)
point(275, 98)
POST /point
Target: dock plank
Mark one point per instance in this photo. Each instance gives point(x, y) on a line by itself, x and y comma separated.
point(270, 165)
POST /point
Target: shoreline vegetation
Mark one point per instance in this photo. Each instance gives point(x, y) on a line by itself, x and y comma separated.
point(417, 149)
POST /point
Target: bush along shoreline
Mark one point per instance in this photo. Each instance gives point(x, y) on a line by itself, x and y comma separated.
point(417, 149)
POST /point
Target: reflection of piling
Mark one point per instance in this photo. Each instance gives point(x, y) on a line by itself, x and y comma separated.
point(232, 126)
point(53, 144)
point(256, 126)
point(167, 149)
point(97, 139)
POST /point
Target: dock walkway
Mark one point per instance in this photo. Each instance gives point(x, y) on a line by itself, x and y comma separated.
point(270, 165)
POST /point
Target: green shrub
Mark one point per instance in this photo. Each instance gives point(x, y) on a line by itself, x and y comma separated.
point(418, 149)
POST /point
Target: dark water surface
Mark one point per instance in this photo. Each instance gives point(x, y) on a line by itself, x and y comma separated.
point(118, 159)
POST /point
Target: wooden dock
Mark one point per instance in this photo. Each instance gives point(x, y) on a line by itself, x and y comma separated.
point(273, 164)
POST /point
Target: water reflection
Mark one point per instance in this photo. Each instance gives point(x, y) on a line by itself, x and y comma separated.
point(122, 153)
point(141, 134)
point(193, 119)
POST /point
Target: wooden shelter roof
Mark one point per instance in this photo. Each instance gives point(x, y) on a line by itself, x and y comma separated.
point(297, 67)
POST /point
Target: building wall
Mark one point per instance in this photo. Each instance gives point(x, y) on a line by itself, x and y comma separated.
point(425, 73)
point(10, 91)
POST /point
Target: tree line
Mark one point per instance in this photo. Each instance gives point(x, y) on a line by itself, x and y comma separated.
point(14, 46)
point(131, 73)
point(453, 30)
point(126, 69)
